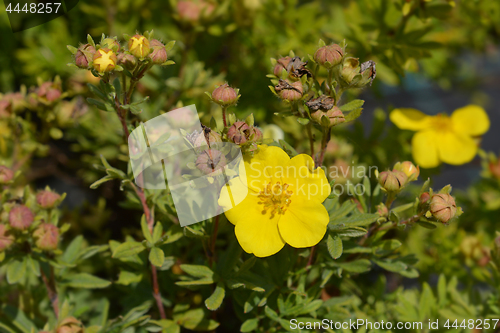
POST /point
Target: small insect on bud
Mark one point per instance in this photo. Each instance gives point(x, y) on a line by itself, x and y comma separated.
point(46, 237)
point(224, 95)
point(111, 43)
point(333, 117)
point(47, 199)
point(70, 325)
point(6, 239)
point(6, 175)
point(84, 55)
point(211, 161)
point(392, 181)
point(159, 54)
point(329, 56)
point(281, 64)
point(410, 170)
point(289, 91)
point(20, 217)
point(443, 207)
point(128, 61)
point(104, 61)
point(139, 46)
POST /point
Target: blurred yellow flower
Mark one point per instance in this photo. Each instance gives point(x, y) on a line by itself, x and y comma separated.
point(443, 138)
point(283, 204)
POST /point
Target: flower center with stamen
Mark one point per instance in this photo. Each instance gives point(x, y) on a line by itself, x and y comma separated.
point(442, 122)
point(275, 198)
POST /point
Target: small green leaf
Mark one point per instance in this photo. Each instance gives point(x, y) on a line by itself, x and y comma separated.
point(303, 121)
point(16, 270)
point(351, 232)
point(197, 270)
point(128, 249)
point(357, 266)
point(118, 87)
point(334, 244)
point(104, 179)
point(85, 280)
point(145, 229)
point(271, 314)
point(353, 115)
point(215, 300)
point(157, 232)
point(352, 105)
point(126, 278)
point(249, 325)
point(156, 256)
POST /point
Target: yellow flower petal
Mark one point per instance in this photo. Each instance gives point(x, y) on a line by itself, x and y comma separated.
point(304, 223)
point(410, 119)
point(266, 165)
point(471, 120)
point(425, 149)
point(456, 148)
point(237, 199)
point(259, 236)
point(307, 182)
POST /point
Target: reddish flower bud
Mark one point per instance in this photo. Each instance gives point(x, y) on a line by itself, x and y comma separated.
point(382, 210)
point(204, 138)
point(495, 169)
point(334, 116)
point(46, 236)
point(281, 65)
point(424, 197)
point(128, 61)
point(50, 91)
point(238, 132)
point(70, 325)
point(139, 46)
point(211, 161)
point(20, 217)
point(392, 181)
point(84, 55)
point(159, 54)
point(6, 239)
point(6, 175)
point(289, 91)
point(192, 11)
point(104, 60)
point(224, 95)
point(329, 56)
point(47, 199)
point(443, 207)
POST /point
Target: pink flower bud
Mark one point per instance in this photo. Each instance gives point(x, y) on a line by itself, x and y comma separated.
point(159, 54)
point(6, 239)
point(382, 210)
point(139, 46)
point(334, 116)
point(329, 56)
point(443, 207)
point(20, 217)
point(392, 181)
point(47, 199)
point(224, 95)
point(46, 236)
point(192, 11)
point(281, 65)
point(289, 91)
point(211, 161)
point(84, 55)
point(50, 91)
point(128, 61)
point(424, 197)
point(6, 174)
point(238, 132)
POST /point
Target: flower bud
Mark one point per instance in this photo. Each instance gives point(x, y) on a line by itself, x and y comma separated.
point(111, 43)
point(238, 132)
point(289, 91)
point(443, 207)
point(128, 61)
point(281, 65)
point(84, 55)
point(204, 138)
point(6, 175)
point(410, 170)
point(139, 46)
point(424, 197)
point(70, 325)
point(334, 116)
point(20, 217)
point(46, 236)
point(224, 95)
point(349, 70)
point(495, 169)
point(104, 60)
point(382, 210)
point(6, 239)
point(211, 161)
point(329, 56)
point(159, 54)
point(47, 199)
point(392, 181)
point(192, 11)
point(50, 91)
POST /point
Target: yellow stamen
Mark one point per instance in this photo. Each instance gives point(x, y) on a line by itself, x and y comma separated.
point(275, 198)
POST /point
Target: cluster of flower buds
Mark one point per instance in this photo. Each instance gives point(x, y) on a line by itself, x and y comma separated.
point(395, 180)
point(46, 93)
point(11, 103)
point(109, 55)
point(324, 112)
point(244, 133)
point(439, 206)
point(290, 75)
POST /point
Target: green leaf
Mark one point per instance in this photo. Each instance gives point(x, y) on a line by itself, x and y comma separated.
point(334, 244)
point(145, 229)
point(126, 278)
point(157, 232)
point(170, 45)
point(288, 148)
point(100, 181)
point(18, 319)
point(156, 256)
point(352, 105)
point(353, 221)
point(351, 232)
point(392, 266)
point(357, 266)
point(249, 325)
point(345, 208)
point(426, 225)
point(271, 314)
point(128, 249)
point(73, 249)
point(441, 290)
point(16, 270)
point(117, 86)
point(303, 121)
point(96, 91)
point(197, 270)
point(353, 115)
point(427, 302)
point(215, 300)
point(200, 282)
point(386, 246)
point(85, 280)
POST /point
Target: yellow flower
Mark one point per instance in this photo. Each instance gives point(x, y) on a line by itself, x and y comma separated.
point(139, 46)
point(104, 60)
point(443, 138)
point(283, 203)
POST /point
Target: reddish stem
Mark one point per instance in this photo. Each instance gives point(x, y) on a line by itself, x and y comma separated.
point(51, 290)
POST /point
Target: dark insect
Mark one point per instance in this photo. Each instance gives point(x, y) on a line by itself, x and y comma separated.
point(282, 85)
point(369, 66)
point(322, 102)
point(296, 68)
